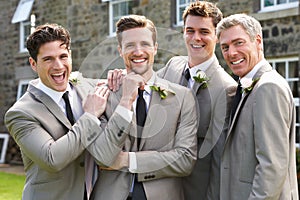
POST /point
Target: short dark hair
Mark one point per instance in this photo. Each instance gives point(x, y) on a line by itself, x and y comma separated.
point(44, 34)
point(134, 21)
point(203, 9)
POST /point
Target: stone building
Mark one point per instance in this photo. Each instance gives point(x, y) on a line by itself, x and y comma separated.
point(91, 24)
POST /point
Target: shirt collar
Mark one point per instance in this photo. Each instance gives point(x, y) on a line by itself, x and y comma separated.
point(251, 74)
point(202, 66)
point(55, 95)
point(150, 82)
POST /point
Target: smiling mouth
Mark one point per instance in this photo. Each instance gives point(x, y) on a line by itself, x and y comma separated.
point(141, 60)
point(58, 76)
point(197, 46)
point(237, 62)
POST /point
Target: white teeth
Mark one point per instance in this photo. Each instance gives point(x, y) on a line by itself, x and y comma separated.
point(197, 46)
point(139, 60)
point(58, 74)
point(237, 62)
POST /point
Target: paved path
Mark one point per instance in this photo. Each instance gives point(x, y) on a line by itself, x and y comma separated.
point(13, 169)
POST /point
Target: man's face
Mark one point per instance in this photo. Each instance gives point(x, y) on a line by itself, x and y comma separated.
point(53, 65)
point(200, 39)
point(240, 53)
point(138, 50)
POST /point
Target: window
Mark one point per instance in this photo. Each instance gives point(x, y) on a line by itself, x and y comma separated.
point(180, 7)
point(117, 9)
point(274, 5)
point(4, 137)
point(25, 28)
point(21, 16)
point(22, 87)
point(289, 69)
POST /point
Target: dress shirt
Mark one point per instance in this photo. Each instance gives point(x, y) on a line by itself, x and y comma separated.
point(147, 96)
point(74, 98)
point(193, 70)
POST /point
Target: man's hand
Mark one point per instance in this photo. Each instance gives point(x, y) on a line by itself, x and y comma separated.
point(115, 78)
point(131, 83)
point(121, 161)
point(95, 103)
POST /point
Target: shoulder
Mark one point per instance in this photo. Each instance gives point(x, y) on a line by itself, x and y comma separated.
point(272, 83)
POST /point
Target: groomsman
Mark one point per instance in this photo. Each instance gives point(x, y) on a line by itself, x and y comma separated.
point(258, 161)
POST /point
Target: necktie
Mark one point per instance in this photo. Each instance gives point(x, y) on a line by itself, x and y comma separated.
point(185, 78)
point(236, 100)
point(68, 108)
point(140, 115)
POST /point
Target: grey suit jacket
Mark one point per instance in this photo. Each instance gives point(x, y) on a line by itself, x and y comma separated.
point(214, 105)
point(167, 150)
point(52, 150)
point(259, 156)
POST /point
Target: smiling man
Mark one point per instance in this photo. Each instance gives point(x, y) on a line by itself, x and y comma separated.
point(258, 161)
point(214, 96)
point(51, 137)
point(161, 148)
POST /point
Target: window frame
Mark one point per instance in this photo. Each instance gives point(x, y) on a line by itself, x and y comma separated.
point(5, 138)
point(290, 79)
point(178, 6)
point(111, 3)
point(22, 87)
point(277, 7)
point(23, 36)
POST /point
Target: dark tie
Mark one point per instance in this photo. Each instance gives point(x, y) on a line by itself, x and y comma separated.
point(185, 78)
point(137, 190)
point(68, 108)
point(140, 115)
point(236, 100)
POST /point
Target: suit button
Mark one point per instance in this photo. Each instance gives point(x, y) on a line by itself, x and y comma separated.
point(120, 134)
point(81, 164)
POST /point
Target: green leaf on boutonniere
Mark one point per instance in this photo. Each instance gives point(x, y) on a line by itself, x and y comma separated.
point(163, 93)
point(248, 84)
point(201, 78)
point(74, 78)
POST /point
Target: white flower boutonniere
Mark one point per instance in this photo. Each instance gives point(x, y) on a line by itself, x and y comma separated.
point(74, 77)
point(163, 93)
point(248, 84)
point(201, 78)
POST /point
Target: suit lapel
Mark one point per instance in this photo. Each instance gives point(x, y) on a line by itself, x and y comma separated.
point(209, 72)
point(50, 104)
point(152, 115)
point(265, 68)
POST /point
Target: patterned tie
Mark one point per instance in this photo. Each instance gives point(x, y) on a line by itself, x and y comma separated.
point(69, 112)
point(236, 100)
point(185, 78)
point(140, 115)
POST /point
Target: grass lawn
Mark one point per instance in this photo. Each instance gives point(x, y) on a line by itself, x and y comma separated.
point(11, 186)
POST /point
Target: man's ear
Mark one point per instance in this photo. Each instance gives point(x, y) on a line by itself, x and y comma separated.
point(33, 64)
point(120, 50)
point(155, 48)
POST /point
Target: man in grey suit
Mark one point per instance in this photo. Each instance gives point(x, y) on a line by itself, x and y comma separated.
point(53, 150)
point(258, 161)
point(153, 160)
point(214, 90)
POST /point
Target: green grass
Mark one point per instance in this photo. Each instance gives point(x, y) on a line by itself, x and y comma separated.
point(11, 186)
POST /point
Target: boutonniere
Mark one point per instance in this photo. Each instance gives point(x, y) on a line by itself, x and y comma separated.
point(163, 93)
point(74, 78)
point(201, 78)
point(248, 84)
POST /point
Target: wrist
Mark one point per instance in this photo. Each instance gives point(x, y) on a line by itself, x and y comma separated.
point(126, 102)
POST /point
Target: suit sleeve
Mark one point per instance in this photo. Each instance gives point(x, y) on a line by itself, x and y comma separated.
point(179, 160)
point(272, 116)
